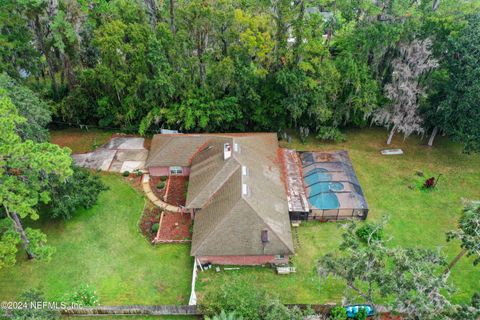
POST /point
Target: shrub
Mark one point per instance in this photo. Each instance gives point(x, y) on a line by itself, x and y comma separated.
point(375, 232)
point(84, 296)
point(126, 173)
point(247, 302)
point(331, 133)
point(138, 172)
point(163, 178)
point(236, 296)
point(275, 310)
point(303, 134)
point(161, 185)
point(155, 227)
point(338, 313)
point(362, 314)
point(81, 190)
point(225, 316)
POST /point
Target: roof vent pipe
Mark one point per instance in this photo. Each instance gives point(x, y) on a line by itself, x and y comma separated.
point(227, 151)
point(265, 236)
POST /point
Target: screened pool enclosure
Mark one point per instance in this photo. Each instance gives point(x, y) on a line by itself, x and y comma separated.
point(332, 187)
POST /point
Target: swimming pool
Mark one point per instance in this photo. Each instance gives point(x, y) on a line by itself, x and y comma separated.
point(325, 201)
point(322, 196)
point(317, 174)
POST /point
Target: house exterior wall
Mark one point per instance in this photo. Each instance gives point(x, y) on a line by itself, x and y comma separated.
point(165, 171)
point(242, 260)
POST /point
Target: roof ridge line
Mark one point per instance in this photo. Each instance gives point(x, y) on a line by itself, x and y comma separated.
point(224, 217)
point(221, 185)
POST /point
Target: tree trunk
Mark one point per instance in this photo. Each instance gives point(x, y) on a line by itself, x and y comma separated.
point(172, 16)
point(202, 42)
point(19, 228)
point(435, 5)
point(432, 137)
point(46, 53)
point(389, 140)
point(455, 260)
point(299, 31)
point(153, 12)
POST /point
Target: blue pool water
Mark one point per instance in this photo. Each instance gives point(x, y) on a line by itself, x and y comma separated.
point(325, 201)
point(322, 191)
point(317, 174)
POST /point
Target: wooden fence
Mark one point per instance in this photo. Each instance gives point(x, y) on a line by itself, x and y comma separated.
point(129, 310)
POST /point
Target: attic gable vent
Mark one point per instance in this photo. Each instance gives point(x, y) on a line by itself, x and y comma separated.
point(245, 189)
point(227, 151)
point(265, 236)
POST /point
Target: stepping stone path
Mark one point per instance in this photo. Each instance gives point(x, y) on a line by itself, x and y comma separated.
point(153, 198)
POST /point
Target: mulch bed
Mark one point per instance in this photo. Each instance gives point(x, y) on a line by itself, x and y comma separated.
point(175, 226)
point(150, 216)
point(177, 190)
point(160, 193)
point(388, 316)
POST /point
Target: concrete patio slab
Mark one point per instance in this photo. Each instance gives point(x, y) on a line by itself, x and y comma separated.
point(117, 155)
point(128, 143)
point(132, 165)
point(132, 155)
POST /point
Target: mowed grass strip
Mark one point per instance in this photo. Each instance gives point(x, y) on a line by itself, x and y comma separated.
point(417, 219)
point(102, 247)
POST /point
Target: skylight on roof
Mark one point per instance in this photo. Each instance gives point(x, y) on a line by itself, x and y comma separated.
point(236, 147)
point(245, 190)
point(244, 171)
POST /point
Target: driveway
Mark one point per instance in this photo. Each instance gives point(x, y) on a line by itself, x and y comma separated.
point(117, 155)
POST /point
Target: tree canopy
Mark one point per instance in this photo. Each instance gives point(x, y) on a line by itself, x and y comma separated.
point(224, 65)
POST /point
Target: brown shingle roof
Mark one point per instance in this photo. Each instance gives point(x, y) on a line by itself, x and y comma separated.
point(231, 223)
point(174, 150)
point(209, 172)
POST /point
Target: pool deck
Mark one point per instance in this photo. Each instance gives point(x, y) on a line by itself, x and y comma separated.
point(296, 196)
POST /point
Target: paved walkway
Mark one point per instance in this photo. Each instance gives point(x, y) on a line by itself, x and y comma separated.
point(153, 198)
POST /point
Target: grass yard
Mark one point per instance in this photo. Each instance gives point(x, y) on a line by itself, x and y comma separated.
point(136, 317)
point(78, 140)
point(416, 218)
point(102, 247)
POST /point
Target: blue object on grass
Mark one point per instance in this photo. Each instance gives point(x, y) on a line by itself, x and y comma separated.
point(352, 311)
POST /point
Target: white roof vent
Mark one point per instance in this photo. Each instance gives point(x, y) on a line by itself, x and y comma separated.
point(227, 151)
point(244, 170)
point(236, 147)
point(245, 189)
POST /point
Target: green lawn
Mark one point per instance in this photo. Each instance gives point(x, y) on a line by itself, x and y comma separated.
point(78, 140)
point(135, 317)
point(416, 218)
point(103, 247)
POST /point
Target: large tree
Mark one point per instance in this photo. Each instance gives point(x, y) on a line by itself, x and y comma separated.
point(459, 114)
point(468, 233)
point(409, 279)
point(24, 170)
point(404, 91)
point(30, 106)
